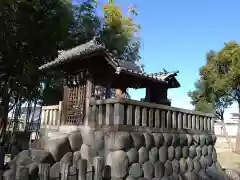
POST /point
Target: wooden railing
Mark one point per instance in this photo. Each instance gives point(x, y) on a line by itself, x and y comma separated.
point(131, 113)
point(52, 115)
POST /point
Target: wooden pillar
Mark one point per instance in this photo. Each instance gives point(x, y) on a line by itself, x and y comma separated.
point(89, 88)
point(65, 101)
point(148, 95)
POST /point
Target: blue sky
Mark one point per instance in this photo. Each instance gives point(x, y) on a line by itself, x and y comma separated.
point(176, 35)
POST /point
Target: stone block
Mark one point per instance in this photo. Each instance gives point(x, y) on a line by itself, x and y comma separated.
point(163, 154)
point(149, 141)
point(168, 139)
point(118, 161)
point(135, 170)
point(159, 169)
point(118, 140)
point(158, 139)
point(168, 168)
point(153, 155)
point(138, 139)
point(132, 155)
point(148, 170)
point(171, 153)
point(75, 140)
point(143, 155)
point(68, 158)
point(58, 147)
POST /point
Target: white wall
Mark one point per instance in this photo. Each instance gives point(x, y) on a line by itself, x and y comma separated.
point(230, 128)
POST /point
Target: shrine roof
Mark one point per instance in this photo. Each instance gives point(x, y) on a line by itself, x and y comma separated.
point(120, 65)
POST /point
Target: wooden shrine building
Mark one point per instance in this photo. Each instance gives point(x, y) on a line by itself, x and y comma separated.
point(92, 72)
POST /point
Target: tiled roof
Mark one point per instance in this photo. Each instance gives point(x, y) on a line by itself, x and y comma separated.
point(81, 50)
point(121, 66)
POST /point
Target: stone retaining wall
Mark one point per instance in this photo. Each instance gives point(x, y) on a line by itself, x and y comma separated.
point(139, 155)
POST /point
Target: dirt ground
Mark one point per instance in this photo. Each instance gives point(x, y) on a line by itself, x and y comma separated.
point(226, 157)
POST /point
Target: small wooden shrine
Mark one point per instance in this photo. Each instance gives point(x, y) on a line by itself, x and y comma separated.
point(91, 71)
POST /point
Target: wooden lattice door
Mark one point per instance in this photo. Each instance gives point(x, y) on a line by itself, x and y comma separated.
point(76, 97)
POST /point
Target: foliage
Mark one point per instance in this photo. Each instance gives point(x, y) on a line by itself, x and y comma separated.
point(119, 31)
point(31, 34)
point(212, 91)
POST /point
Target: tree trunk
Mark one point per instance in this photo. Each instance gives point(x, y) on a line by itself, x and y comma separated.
point(4, 114)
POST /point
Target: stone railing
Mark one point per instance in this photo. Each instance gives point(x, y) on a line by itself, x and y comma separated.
point(52, 115)
point(147, 116)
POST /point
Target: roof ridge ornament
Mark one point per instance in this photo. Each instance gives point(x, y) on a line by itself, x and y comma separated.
point(118, 70)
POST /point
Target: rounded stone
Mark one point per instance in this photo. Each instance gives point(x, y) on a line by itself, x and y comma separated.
point(210, 150)
point(208, 140)
point(168, 139)
point(183, 165)
point(33, 171)
point(142, 178)
point(55, 170)
point(192, 151)
point(196, 139)
point(204, 150)
point(190, 166)
point(174, 176)
point(88, 137)
point(175, 140)
point(165, 178)
point(202, 140)
point(183, 140)
point(87, 153)
point(171, 153)
point(68, 158)
point(143, 155)
point(75, 140)
point(163, 153)
point(118, 140)
point(132, 155)
point(135, 170)
point(148, 170)
point(176, 166)
point(189, 139)
point(76, 157)
point(156, 178)
point(199, 151)
point(158, 139)
point(196, 164)
point(214, 139)
point(58, 147)
point(214, 155)
point(130, 178)
point(148, 140)
point(99, 142)
point(178, 152)
point(118, 161)
point(185, 152)
point(209, 160)
point(191, 175)
point(168, 168)
point(203, 162)
point(153, 155)
point(138, 139)
point(159, 169)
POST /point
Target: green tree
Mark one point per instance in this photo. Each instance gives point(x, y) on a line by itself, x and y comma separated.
point(119, 32)
point(31, 33)
point(211, 91)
